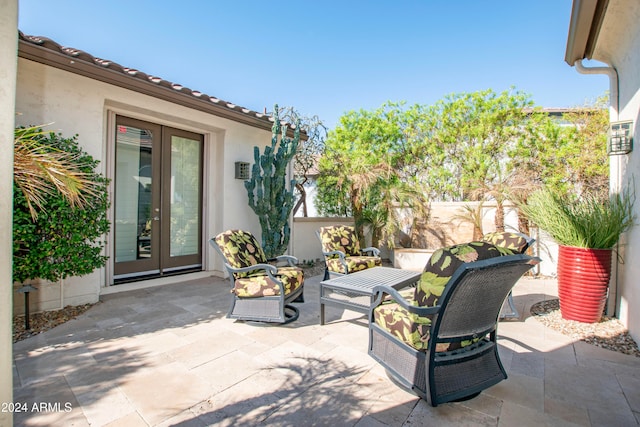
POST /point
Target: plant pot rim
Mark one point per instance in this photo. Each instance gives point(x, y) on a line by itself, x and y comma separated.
point(587, 248)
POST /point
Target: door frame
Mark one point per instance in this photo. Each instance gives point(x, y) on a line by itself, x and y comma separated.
point(110, 160)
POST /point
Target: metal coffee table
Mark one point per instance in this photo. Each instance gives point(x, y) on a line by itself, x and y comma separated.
point(355, 290)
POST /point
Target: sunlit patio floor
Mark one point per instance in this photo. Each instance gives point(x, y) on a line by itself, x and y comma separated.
point(167, 356)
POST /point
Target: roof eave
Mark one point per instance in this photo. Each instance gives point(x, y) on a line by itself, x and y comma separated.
point(85, 65)
point(584, 27)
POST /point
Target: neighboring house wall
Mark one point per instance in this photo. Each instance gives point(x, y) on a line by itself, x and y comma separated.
point(73, 104)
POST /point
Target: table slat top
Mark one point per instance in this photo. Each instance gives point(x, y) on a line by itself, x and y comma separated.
point(366, 280)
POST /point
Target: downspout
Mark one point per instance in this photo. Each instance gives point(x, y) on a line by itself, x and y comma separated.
point(614, 101)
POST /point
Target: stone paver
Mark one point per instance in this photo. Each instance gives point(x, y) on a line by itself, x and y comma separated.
point(167, 356)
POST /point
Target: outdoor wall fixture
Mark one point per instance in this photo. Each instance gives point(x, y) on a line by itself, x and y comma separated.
point(242, 170)
point(620, 138)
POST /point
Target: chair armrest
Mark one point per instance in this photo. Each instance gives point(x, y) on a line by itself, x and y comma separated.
point(266, 267)
point(340, 254)
point(289, 259)
point(374, 251)
point(380, 291)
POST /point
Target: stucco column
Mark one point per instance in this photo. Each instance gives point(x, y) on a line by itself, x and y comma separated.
point(8, 71)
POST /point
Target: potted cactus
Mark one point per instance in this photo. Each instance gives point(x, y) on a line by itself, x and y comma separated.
point(586, 229)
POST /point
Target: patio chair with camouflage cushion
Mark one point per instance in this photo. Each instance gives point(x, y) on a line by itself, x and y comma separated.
point(262, 289)
point(342, 253)
point(518, 242)
point(439, 339)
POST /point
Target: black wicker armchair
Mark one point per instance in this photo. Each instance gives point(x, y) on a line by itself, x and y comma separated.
point(439, 340)
point(518, 242)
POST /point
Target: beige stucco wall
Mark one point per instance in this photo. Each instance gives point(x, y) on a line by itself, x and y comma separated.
point(75, 104)
point(444, 228)
point(304, 242)
point(619, 45)
point(8, 45)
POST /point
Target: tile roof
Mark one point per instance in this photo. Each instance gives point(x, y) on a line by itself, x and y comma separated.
point(48, 52)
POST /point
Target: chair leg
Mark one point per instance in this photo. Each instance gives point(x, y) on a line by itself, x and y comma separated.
point(326, 274)
point(299, 298)
point(514, 312)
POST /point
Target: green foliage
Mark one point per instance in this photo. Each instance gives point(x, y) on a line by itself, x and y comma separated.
point(64, 239)
point(367, 169)
point(481, 146)
point(586, 221)
point(467, 142)
point(267, 189)
point(566, 158)
point(40, 169)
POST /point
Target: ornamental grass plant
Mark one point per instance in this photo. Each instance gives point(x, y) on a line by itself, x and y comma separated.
point(586, 221)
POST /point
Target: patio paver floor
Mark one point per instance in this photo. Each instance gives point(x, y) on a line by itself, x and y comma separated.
point(167, 356)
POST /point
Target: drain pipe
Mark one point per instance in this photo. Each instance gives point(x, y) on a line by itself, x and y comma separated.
point(614, 100)
point(613, 82)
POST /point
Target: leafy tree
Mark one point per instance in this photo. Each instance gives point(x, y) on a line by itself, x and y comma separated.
point(363, 170)
point(65, 237)
point(306, 158)
point(481, 146)
point(569, 157)
point(470, 136)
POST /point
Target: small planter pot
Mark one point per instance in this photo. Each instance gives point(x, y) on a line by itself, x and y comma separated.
point(583, 281)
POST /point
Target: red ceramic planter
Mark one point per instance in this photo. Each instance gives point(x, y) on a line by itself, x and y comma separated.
point(583, 280)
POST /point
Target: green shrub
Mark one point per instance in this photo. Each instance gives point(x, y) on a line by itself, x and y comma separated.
point(586, 221)
point(63, 240)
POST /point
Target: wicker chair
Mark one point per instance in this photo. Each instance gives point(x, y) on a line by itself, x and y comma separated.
point(439, 340)
point(518, 242)
point(342, 253)
point(262, 290)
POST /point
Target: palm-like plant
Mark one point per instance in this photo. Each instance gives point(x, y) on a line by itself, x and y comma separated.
point(40, 170)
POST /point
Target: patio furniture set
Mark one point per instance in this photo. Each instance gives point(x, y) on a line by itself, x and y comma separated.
point(433, 331)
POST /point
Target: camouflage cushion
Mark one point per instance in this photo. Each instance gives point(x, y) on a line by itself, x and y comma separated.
point(354, 263)
point(240, 249)
point(516, 241)
point(414, 330)
point(444, 262)
point(339, 238)
point(261, 285)
point(409, 328)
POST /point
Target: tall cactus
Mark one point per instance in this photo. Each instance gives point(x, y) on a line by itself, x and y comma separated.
point(269, 196)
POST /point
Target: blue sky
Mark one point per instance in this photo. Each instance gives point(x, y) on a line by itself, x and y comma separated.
point(328, 57)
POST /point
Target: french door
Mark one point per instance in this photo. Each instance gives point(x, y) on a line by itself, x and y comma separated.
point(158, 200)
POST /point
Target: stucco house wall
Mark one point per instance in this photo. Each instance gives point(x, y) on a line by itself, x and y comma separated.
point(73, 104)
point(8, 43)
point(619, 45)
point(608, 31)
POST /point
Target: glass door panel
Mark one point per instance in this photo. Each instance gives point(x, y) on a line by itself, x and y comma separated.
point(136, 198)
point(183, 199)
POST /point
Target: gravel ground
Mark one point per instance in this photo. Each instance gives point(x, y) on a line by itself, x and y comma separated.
point(609, 333)
point(40, 322)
